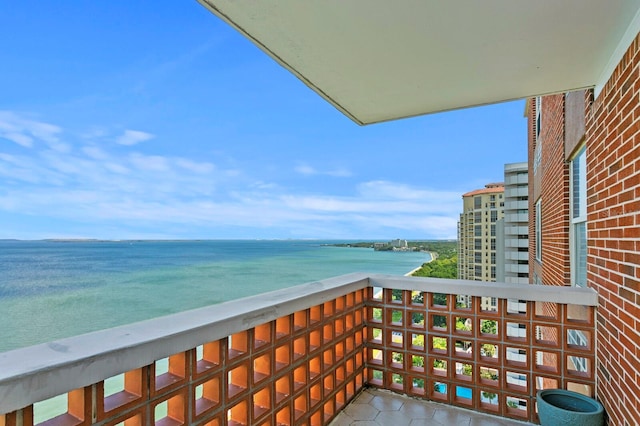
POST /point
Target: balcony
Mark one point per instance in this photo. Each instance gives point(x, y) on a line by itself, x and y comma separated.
point(516, 268)
point(511, 255)
point(517, 243)
point(516, 230)
point(517, 217)
point(514, 192)
point(516, 204)
point(299, 356)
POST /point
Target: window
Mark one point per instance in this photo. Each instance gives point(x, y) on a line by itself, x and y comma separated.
point(477, 217)
point(493, 272)
point(537, 154)
point(494, 216)
point(493, 230)
point(478, 271)
point(477, 244)
point(537, 157)
point(477, 202)
point(578, 232)
point(477, 257)
point(536, 279)
point(493, 258)
point(538, 116)
point(538, 226)
point(478, 230)
point(493, 244)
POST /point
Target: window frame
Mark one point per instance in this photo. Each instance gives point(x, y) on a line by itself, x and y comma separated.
point(579, 159)
point(537, 152)
point(538, 116)
point(538, 230)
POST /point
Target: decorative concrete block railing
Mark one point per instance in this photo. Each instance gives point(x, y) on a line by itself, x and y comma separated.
point(482, 346)
point(298, 356)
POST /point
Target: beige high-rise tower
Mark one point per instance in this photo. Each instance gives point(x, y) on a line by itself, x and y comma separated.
point(482, 208)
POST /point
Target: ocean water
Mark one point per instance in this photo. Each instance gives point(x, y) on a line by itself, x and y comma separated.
point(51, 289)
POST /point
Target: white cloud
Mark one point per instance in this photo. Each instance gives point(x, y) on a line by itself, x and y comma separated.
point(24, 131)
point(307, 170)
point(408, 197)
point(95, 152)
point(18, 138)
point(147, 191)
point(116, 168)
point(94, 133)
point(339, 173)
point(133, 137)
point(260, 185)
point(194, 166)
point(149, 162)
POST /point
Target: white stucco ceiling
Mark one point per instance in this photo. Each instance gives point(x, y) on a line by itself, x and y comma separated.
point(378, 60)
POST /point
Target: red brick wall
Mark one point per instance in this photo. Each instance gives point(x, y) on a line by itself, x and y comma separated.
point(613, 206)
point(552, 187)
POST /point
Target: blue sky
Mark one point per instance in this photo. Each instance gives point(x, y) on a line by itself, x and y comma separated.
point(157, 120)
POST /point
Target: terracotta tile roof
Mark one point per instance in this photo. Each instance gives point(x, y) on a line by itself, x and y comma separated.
point(491, 189)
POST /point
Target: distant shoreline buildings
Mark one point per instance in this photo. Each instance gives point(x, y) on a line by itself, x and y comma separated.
point(394, 245)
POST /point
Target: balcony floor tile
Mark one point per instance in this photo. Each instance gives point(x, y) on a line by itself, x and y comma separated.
point(375, 407)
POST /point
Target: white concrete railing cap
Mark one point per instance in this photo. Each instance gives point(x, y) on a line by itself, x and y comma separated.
point(35, 373)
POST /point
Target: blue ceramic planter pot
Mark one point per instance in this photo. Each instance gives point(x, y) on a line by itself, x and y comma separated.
point(557, 407)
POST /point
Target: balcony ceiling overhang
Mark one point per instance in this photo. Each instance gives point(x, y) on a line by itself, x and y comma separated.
point(378, 60)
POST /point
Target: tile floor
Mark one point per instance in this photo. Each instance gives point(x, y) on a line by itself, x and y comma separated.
point(375, 407)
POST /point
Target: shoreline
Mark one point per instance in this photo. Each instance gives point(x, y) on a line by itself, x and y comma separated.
point(432, 255)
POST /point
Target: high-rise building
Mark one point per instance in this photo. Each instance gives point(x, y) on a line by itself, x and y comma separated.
point(482, 209)
point(512, 257)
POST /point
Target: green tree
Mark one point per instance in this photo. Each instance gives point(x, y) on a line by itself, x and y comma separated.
point(488, 350)
point(418, 361)
point(490, 396)
point(445, 262)
point(489, 327)
point(467, 370)
point(462, 325)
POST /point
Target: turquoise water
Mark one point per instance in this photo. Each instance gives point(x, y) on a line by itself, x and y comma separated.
point(461, 392)
point(50, 290)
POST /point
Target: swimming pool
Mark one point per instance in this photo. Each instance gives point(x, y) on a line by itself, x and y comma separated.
point(461, 392)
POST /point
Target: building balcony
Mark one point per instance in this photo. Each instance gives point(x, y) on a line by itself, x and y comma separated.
point(299, 356)
point(515, 268)
point(516, 230)
point(514, 255)
point(519, 191)
point(511, 204)
point(513, 179)
point(516, 217)
point(515, 243)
